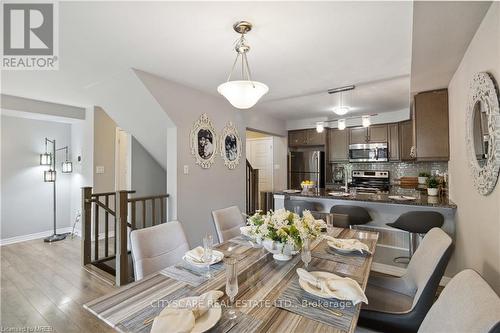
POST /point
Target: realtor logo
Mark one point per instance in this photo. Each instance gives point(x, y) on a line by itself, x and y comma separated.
point(29, 36)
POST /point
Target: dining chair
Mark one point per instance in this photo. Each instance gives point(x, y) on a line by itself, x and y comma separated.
point(466, 304)
point(157, 247)
point(399, 304)
point(228, 222)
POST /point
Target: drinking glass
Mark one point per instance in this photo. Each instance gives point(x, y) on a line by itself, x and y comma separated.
point(305, 254)
point(231, 284)
point(207, 253)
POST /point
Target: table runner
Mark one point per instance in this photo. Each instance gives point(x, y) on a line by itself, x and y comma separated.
point(192, 275)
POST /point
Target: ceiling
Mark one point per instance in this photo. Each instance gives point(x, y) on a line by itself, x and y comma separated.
point(299, 49)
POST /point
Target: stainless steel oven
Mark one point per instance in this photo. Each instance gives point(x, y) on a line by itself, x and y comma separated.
point(368, 152)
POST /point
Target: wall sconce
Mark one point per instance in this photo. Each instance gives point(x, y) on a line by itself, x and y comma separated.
point(341, 124)
point(366, 121)
point(320, 127)
point(49, 176)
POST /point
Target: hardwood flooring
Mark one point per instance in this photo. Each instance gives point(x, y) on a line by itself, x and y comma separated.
point(44, 286)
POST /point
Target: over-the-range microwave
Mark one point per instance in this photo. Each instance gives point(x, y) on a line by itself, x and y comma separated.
point(368, 152)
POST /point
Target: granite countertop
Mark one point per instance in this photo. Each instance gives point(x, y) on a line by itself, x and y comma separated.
point(422, 199)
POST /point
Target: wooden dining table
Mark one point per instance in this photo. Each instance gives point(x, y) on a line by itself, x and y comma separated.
point(263, 284)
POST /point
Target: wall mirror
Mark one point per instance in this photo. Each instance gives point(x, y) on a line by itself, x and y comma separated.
point(483, 132)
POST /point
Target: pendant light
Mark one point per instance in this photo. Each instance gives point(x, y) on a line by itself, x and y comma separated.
point(67, 166)
point(341, 109)
point(45, 158)
point(320, 127)
point(245, 93)
point(341, 124)
point(365, 120)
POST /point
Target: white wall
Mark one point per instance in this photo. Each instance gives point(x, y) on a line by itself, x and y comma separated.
point(203, 190)
point(26, 198)
point(478, 217)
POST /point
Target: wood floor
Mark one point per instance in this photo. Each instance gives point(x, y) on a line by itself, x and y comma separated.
point(43, 285)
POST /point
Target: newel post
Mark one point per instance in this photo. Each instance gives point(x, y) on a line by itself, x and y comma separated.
point(121, 238)
point(86, 220)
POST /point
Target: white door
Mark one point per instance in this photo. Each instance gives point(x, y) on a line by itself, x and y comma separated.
point(123, 160)
point(260, 156)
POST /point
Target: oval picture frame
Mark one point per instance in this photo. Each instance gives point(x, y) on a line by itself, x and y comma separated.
point(203, 138)
point(483, 90)
point(230, 146)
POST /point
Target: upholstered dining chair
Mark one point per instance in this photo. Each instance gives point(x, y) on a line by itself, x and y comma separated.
point(399, 304)
point(466, 304)
point(158, 247)
point(228, 222)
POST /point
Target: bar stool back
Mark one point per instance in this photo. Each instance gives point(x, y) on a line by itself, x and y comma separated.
point(354, 215)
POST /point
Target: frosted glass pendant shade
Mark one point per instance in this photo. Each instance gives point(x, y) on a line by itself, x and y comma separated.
point(341, 110)
point(243, 94)
point(365, 121)
point(341, 124)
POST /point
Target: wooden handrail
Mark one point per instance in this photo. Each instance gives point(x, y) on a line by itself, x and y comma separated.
point(108, 193)
point(151, 197)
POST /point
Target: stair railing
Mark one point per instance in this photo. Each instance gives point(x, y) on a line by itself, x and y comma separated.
point(252, 188)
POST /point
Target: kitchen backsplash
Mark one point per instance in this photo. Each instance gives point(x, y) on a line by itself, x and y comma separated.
point(396, 169)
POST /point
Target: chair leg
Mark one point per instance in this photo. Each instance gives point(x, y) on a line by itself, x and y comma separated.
point(412, 244)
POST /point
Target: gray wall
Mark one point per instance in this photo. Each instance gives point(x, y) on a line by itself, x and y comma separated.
point(148, 178)
point(26, 198)
point(478, 217)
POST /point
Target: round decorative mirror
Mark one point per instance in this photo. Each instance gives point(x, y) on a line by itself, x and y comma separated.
point(483, 132)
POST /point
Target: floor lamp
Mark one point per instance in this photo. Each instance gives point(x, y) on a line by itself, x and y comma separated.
point(49, 176)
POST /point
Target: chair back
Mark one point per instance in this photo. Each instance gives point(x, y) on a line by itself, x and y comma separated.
point(467, 304)
point(355, 214)
point(419, 222)
point(157, 247)
point(427, 266)
point(228, 222)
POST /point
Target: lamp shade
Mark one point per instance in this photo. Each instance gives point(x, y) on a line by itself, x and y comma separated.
point(341, 124)
point(366, 121)
point(242, 94)
point(341, 110)
point(49, 176)
point(67, 167)
point(320, 127)
point(45, 159)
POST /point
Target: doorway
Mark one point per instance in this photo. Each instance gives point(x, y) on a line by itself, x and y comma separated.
point(123, 160)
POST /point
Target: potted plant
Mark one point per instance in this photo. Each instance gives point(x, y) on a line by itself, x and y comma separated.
point(422, 178)
point(282, 232)
point(432, 186)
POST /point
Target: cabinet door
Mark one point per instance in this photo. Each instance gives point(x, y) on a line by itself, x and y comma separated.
point(338, 145)
point(393, 142)
point(431, 126)
point(377, 133)
point(297, 138)
point(316, 139)
point(406, 146)
point(358, 135)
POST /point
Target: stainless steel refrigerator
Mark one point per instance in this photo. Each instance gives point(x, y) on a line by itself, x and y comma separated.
point(306, 165)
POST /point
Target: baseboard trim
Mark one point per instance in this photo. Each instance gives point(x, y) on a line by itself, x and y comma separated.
point(24, 238)
point(399, 271)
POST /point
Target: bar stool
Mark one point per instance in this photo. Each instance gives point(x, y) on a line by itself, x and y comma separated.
point(353, 215)
point(416, 223)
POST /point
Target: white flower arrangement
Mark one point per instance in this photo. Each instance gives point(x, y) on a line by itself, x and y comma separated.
point(284, 227)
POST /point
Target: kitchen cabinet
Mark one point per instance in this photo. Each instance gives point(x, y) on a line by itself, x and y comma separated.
point(307, 137)
point(393, 131)
point(371, 134)
point(406, 141)
point(338, 145)
point(431, 126)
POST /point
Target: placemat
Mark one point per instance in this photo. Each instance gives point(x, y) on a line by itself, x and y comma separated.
point(192, 275)
point(333, 312)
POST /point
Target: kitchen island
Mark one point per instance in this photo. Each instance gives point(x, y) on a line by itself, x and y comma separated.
point(382, 209)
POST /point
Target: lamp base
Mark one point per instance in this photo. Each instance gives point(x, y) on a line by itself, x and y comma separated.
point(54, 238)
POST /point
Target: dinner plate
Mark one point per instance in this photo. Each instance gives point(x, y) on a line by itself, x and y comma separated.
point(291, 191)
point(337, 247)
point(315, 291)
point(402, 197)
point(339, 194)
point(217, 256)
point(209, 318)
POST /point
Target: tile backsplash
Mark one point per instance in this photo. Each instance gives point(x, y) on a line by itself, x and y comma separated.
point(396, 169)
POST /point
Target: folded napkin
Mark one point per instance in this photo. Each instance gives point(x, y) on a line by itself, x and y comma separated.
point(197, 254)
point(345, 289)
point(182, 317)
point(349, 244)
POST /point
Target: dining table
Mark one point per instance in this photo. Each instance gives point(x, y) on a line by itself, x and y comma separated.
point(269, 297)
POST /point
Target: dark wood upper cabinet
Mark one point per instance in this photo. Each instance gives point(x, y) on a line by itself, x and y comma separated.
point(338, 142)
point(431, 126)
point(377, 133)
point(393, 130)
point(307, 137)
point(406, 141)
point(358, 135)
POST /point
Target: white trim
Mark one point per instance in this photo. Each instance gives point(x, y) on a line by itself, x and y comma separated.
point(24, 238)
point(399, 271)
